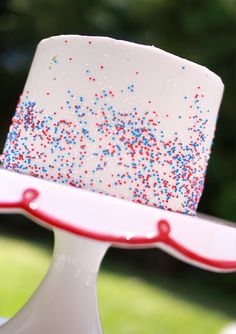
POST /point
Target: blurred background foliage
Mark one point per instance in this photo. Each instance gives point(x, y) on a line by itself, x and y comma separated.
point(203, 31)
point(200, 30)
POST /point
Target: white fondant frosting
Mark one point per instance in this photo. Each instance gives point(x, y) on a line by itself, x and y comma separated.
point(116, 117)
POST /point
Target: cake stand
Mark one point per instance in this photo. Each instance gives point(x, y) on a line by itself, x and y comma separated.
point(84, 229)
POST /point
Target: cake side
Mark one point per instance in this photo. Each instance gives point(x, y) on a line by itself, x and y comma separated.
point(118, 118)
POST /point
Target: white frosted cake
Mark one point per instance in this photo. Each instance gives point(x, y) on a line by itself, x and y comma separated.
point(117, 118)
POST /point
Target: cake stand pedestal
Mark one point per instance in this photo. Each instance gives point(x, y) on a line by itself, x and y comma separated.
point(66, 300)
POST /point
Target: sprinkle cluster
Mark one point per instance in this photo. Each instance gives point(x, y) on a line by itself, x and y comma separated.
point(91, 144)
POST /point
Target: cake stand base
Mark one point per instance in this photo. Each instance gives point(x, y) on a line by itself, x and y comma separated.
point(66, 300)
point(2, 321)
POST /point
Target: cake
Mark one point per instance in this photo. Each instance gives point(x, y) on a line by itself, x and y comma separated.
point(117, 118)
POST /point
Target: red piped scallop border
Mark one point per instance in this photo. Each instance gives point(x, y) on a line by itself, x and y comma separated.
point(27, 203)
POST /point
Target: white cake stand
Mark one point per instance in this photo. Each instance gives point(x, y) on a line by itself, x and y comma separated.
point(85, 225)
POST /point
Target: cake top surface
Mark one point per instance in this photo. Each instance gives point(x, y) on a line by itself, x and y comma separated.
point(128, 44)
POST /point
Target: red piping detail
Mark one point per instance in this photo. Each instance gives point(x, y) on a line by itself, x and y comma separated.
point(27, 203)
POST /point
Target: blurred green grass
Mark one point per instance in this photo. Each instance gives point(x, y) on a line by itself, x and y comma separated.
point(129, 304)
